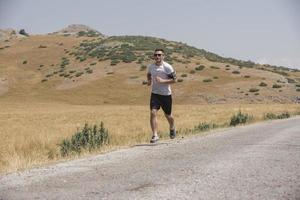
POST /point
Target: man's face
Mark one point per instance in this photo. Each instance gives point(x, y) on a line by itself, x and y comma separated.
point(158, 56)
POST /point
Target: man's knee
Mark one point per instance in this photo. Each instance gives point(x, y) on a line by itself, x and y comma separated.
point(153, 112)
point(169, 116)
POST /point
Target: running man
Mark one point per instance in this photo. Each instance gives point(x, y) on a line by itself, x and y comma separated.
point(160, 75)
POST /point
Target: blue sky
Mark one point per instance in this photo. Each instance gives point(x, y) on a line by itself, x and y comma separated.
point(265, 31)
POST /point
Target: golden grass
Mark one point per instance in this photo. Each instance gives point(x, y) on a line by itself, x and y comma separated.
point(30, 132)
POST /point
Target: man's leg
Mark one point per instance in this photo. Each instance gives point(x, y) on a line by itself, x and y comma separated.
point(153, 121)
point(171, 121)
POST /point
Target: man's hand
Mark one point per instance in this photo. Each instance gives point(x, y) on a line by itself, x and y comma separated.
point(159, 80)
point(166, 81)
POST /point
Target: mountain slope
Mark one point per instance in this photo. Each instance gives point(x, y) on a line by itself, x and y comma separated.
point(79, 65)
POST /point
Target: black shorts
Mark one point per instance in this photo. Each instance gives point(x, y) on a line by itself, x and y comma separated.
point(163, 101)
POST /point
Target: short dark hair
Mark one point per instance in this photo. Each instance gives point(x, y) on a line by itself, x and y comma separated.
point(159, 50)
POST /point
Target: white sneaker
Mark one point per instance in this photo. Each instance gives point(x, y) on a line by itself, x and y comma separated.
point(154, 139)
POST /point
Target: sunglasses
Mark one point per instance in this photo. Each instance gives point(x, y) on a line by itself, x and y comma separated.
point(159, 55)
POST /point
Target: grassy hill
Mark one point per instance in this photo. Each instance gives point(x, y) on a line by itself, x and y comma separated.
point(79, 65)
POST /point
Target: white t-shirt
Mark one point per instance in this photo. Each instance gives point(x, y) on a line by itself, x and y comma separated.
point(161, 71)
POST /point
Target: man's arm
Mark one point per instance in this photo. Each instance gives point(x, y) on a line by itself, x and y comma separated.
point(149, 79)
point(167, 81)
point(171, 79)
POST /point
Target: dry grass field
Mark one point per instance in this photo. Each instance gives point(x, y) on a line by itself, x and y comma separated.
point(30, 133)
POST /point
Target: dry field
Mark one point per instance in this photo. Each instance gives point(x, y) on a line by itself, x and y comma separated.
point(30, 133)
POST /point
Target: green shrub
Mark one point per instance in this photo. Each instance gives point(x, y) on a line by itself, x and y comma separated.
point(298, 89)
point(214, 67)
point(240, 118)
point(88, 138)
point(200, 67)
point(143, 68)
point(192, 71)
point(207, 80)
point(276, 86)
point(24, 62)
point(89, 71)
point(44, 80)
point(78, 74)
point(203, 126)
point(236, 72)
point(253, 90)
point(247, 76)
point(183, 75)
point(274, 116)
point(81, 59)
point(297, 85)
point(215, 77)
point(114, 62)
point(180, 80)
point(262, 84)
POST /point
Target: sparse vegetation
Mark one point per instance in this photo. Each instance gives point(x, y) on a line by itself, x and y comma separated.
point(276, 86)
point(200, 68)
point(214, 67)
point(263, 84)
point(207, 80)
point(274, 116)
point(253, 90)
point(192, 71)
point(236, 72)
point(204, 126)
point(240, 118)
point(143, 68)
point(89, 138)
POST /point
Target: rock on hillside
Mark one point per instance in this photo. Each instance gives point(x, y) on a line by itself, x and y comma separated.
point(80, 30)
point(7, 34)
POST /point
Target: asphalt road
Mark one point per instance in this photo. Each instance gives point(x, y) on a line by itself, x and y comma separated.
point(258, 161)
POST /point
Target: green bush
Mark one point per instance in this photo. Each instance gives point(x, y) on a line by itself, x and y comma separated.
point(276, 86)
point(180, 80)
point(214, 67)
point(183, 75)
point(192, 71)
point(253, 90)
point(247, 76)
point(114, 62)
point(79, 74)
point(203, 126)
point(262, 84)
point(24, 62)
point(240, 118)
point(88, 138)
point(200, 67)
point(236, 72)
point(274, 116)
point(143, 68)
point(207, 80)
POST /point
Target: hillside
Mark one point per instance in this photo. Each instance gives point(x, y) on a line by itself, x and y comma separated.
point(80, 65)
